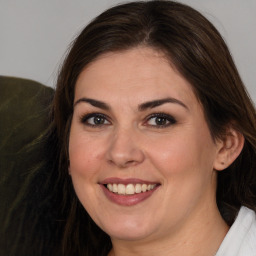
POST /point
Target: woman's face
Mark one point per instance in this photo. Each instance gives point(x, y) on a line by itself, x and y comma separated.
point(141, 154)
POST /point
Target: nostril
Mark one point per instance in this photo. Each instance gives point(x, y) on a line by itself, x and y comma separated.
point(124, 153)
point(122, 164)
point(130, 162)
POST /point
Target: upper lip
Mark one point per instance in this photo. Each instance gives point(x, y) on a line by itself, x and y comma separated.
point(116, 180)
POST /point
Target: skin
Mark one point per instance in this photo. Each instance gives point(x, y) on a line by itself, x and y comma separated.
point(181, 216)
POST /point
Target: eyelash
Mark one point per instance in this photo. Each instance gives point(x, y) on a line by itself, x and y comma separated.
point(84, 119)
point(168, 119)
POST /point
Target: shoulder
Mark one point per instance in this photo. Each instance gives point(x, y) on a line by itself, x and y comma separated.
point(241, 238)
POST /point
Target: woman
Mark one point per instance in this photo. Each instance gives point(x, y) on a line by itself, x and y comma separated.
point(156, 137)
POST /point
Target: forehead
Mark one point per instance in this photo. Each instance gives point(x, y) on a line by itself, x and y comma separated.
point(138, 73)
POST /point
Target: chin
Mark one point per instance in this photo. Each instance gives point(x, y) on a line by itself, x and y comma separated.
point(128, 230)
point(128, 235)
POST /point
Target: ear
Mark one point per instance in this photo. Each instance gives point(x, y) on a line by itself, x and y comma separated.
point(228, 149)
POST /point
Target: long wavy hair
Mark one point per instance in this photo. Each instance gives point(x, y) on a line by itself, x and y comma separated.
point(196, 49)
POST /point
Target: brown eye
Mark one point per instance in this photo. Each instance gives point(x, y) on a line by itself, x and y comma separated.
point(95, 120)
point(160, 120)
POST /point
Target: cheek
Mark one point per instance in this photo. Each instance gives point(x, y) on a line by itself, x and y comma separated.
point(184, 153)
point(84, 167)
point(186, 163)
point(171, 154)
point(84, 154)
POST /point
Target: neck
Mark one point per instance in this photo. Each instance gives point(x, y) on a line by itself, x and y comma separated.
point(201, 236)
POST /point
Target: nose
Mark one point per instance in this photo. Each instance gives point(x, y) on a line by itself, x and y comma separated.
point(125, 149)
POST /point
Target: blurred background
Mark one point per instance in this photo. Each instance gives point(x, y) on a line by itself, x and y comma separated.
point(35, 35)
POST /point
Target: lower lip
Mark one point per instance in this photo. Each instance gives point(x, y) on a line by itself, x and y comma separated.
point(127, 200)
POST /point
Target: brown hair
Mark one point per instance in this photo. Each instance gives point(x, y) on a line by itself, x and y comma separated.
point(198, 52)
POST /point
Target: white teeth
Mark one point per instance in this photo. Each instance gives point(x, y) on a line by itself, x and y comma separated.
point(129, 189)
point(121, 189)
point(151, 186)
point(110, 187)
point(114, 188)
point(138, 188)
point(144, 187)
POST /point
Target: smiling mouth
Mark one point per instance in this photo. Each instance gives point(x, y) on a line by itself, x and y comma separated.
point(129, 189)
point(128, 192)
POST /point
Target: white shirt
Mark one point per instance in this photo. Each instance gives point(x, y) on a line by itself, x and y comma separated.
point(241, 237)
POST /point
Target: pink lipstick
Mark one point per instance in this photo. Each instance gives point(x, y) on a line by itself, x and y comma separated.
point(128, 192)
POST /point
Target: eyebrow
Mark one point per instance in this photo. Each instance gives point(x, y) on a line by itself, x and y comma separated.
point(141, 107)
point(159, 102)
point(95, 103)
